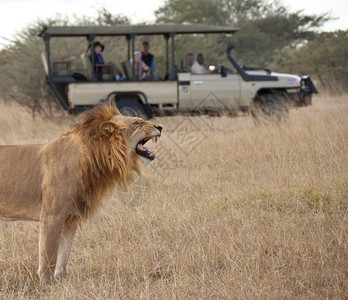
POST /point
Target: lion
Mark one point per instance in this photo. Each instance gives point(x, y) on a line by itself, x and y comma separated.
point(62, 183)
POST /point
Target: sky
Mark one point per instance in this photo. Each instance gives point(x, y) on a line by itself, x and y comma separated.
point(16, 15)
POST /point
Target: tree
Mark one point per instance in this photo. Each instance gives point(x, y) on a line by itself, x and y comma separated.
point(202, 11)
point(325, 58)
point(21, 73)
point(265, 27)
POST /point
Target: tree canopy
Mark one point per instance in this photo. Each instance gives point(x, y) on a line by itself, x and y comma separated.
point(325, 57)
point(265, 27)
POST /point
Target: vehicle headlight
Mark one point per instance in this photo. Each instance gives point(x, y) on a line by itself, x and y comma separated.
point(294, 83)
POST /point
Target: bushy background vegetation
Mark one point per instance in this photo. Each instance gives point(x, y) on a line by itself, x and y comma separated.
point(269, 36)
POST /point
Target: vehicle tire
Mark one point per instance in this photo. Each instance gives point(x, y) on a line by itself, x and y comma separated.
point(131, 107)
point(271, 107)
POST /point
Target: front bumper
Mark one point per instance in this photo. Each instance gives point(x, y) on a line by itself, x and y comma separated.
point(307, 85)
point(307, 88)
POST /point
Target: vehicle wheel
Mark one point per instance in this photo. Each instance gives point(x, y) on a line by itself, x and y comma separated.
point(131, 107)
point(270, 106)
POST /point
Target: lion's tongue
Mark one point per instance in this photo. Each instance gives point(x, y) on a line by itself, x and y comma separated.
point(146, 149)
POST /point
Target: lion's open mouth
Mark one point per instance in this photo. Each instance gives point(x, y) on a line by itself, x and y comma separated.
point(145, 151)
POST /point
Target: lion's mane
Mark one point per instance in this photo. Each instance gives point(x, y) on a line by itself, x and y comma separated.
point(106, 159)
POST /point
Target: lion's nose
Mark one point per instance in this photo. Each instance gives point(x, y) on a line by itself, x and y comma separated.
point(159, 127)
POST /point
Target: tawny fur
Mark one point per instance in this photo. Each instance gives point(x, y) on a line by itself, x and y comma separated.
point(62, 183)
point(107, 158)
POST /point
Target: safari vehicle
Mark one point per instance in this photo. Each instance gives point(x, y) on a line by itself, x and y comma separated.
point(222, 89)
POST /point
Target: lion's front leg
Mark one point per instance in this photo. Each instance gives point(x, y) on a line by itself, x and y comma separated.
point(65, 244)
point(50, 233)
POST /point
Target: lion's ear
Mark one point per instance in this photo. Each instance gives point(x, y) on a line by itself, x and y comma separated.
point(108, 128)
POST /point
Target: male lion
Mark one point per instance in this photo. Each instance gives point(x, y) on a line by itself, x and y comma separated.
point(62, 183)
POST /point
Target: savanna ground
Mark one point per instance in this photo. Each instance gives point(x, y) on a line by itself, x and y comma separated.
point(229, 210)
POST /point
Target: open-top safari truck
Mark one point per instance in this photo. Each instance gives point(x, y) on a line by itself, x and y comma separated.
point(227, 89)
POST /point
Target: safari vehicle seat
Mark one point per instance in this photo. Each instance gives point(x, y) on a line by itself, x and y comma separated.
point(59, 67)
point(127, 69)
point(87, 66)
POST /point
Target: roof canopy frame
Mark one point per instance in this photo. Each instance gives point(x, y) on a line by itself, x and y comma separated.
point(168, 31)
point(124, 30)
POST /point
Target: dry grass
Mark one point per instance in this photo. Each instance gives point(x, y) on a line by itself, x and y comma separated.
point(235, 211)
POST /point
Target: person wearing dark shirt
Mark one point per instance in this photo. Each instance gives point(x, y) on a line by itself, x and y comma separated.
point(99, 60)
point(200, 59)
point(147, 57)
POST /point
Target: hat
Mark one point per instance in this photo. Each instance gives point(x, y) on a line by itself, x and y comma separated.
point(138, 52)
point(97, 43)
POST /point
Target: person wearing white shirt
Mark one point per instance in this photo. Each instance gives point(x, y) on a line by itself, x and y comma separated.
point(194, 66)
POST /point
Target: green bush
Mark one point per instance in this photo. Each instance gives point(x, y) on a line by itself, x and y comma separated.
point(325, 58)
point(22, 77)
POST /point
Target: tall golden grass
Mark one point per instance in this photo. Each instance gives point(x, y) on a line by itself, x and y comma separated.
point(230, 210)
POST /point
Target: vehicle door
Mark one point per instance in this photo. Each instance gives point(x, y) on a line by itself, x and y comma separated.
point(209, 91)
